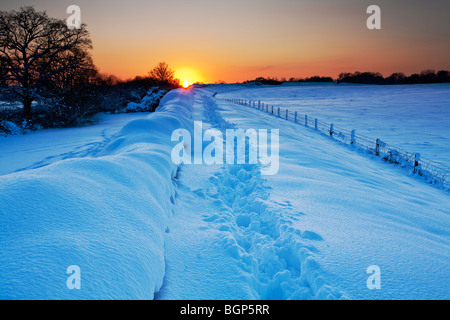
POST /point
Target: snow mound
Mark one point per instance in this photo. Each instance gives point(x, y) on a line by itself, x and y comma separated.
point(107, 215)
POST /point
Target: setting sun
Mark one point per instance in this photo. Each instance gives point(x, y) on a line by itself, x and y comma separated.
point(187, 76)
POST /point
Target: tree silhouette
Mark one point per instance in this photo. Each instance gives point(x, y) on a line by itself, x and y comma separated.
point(37, 51)
point(162, 73)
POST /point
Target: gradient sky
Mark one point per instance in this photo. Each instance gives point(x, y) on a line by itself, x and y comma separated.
point(236, 40)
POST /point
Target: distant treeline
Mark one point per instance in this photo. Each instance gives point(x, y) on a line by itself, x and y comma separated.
point(426, 76)
point(276, 81)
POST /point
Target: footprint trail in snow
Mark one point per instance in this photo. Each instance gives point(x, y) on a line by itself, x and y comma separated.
point(258, 232)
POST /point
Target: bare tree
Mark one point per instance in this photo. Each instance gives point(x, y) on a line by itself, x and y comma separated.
point(37, 51)
point(162, 73)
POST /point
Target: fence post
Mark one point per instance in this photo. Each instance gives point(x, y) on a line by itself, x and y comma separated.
point(272, 109)
point(295, 116)
point(278, 111)
point(352, 141)
point(417, 163)
point(306, 120)
point(287, 113)
point(331, 129)
point(315, 124)
point(377, 147)
point(259, 104)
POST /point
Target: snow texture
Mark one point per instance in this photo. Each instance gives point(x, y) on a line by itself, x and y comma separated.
point(412, 117)
point(106, 214)
point(141, 227)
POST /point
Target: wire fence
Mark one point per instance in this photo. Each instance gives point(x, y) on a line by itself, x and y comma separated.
point(434, 172)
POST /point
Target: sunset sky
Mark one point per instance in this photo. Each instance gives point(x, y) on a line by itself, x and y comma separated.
point(236, 40)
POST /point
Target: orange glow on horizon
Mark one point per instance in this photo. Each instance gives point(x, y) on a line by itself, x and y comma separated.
point(302, 39)
point(188, 75)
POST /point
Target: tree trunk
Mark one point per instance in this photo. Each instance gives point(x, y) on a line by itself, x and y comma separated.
point(27, 107)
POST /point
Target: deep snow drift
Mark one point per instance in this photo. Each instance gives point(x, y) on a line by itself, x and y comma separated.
point(106, 214)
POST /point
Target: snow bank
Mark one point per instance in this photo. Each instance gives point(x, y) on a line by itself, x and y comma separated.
point(106, 215)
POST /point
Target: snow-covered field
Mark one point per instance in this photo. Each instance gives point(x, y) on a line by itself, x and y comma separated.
point(141, 227)
point(40, 148)
point(415, 118)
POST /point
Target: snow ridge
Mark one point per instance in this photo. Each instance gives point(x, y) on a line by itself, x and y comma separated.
point(106, 215)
